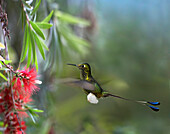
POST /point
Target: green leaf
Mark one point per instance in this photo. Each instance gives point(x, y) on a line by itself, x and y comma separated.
point(1, 123)
point(47, 19)
point(36, 7)
point(36, 63)
point(44, 25)
point(29, 55)
point(8, 61)
point(44, 46)
point(33, 45)
point(37, 30)
point(78, 40)
point(25, 44)
point(30, 49)
point(34, 50)
point(3, 76)
point(37, 110)
point(23, 17)
point(71, 19)
point(39, 45)
point(71, 38)
point(32, 117)
point(32, 113)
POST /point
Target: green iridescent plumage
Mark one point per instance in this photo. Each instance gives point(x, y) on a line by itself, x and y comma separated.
point(91, 86)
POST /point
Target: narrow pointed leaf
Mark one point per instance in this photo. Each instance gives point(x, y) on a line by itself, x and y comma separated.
point(44, 25)
point(36, 63)
point(44, 45)
point(34, 50)
point(32, 112)
point(36, 7)
point(32, 117)
point(47, 19)
point(23, 18)
point(37, 110)
point(29, 55)
point(33, 46)
point(25, 44)
point(8, 61)
point(37, 30)
point(71, 19)
point(1, 124)
point(3, 76)
point(30, 49)
point(39, 45)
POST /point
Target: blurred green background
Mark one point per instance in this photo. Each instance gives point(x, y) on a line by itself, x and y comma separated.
point(129, 52)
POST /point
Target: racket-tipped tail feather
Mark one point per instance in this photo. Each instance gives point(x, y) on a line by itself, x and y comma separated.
point(154, 103)
point(147, 103)
point(156, 109)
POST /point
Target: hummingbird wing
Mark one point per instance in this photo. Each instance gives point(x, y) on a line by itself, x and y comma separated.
point(84, 84)
point(79, 83)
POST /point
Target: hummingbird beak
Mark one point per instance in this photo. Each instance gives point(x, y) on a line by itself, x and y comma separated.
point(72, 64)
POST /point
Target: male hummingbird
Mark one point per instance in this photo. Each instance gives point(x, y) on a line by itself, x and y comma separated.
point(94, 91)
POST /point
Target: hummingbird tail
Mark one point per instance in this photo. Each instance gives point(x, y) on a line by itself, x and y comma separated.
point(154, 103)
point(150, 104)
point(156, 109)
point(146, 103)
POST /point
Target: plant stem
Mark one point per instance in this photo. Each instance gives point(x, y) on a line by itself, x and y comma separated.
point(12, 70)
point(27, 18)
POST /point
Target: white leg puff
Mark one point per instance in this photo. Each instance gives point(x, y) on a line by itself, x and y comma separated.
point(92, 98)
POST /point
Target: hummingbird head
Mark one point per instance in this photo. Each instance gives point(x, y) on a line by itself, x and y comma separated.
point(84, 67)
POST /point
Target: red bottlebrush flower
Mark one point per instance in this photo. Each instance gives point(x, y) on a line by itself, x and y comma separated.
point(20, 101)
point(14, 125)
point(6, 101)
point(17, 85)
point(7, 106)
point(14, 99)
point(25, 82)
point(29, 80)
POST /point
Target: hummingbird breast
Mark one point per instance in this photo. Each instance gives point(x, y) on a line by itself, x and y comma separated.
point(97, 90)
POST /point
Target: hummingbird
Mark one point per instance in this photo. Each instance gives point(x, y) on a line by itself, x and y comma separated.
point(94, 91)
